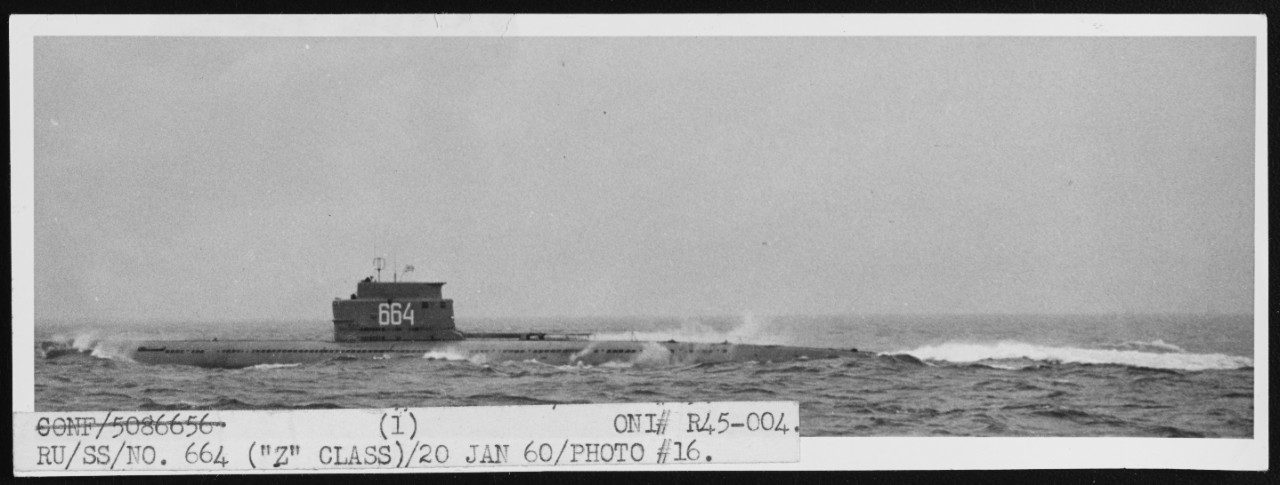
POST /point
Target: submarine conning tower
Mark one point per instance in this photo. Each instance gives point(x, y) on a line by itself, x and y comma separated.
point(396, 311)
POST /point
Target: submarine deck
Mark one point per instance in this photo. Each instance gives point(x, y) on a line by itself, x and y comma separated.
point(247, 353)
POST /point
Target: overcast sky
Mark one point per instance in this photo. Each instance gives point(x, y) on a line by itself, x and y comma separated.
point(225, 178)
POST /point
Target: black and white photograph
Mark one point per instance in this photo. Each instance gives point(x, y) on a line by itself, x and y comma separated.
point(912, 235)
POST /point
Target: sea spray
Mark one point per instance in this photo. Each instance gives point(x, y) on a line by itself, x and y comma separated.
point(749, 329)
point(92, 342)
point(577, 356)
point(690, 330)
point(653, 355)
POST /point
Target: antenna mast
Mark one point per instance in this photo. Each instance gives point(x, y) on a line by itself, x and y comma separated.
point(378, 264)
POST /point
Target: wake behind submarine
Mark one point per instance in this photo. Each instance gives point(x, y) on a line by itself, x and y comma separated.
point(412, 319)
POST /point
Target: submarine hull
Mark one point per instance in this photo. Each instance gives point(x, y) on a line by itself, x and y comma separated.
point(240, 354)
point(384, 320)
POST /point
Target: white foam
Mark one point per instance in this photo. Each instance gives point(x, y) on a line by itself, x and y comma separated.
point(446, 354)
point(273, 366)
point(976, 352)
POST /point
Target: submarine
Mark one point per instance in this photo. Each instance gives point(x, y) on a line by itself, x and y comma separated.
point(383, 320)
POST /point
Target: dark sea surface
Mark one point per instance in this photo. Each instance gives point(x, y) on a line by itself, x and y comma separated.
point(965, 375)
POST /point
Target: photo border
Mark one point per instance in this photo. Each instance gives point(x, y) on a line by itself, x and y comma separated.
point(846, 453)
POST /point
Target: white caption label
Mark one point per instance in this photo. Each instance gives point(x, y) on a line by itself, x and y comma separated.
point(653, 434)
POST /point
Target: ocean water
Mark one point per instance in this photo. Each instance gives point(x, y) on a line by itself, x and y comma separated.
point(960, 375)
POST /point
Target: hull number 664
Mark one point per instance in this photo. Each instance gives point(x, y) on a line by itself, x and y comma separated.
point(395, 313)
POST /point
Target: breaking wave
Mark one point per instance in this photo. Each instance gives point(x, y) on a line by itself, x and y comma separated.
point(1005, 351)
